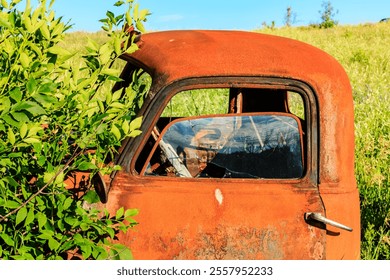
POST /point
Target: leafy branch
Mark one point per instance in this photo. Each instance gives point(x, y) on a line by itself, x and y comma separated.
point(57, 117)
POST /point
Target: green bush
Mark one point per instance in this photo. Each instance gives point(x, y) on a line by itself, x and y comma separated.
point(327, 16)
point(52, 115)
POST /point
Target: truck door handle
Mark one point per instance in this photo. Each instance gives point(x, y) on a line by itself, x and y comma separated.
point(318, 217)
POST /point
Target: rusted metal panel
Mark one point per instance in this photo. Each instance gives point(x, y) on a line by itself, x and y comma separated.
point(199, 219)
point(342, 205)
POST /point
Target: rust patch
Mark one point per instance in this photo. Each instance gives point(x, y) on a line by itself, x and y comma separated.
point(224, 243)
point(271, 245)
point(318, 253)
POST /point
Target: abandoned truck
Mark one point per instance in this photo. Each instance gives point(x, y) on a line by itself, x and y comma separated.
point(246, 151)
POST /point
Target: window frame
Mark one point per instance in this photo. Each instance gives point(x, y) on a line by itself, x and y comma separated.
point(229, 115)
point(158, 99)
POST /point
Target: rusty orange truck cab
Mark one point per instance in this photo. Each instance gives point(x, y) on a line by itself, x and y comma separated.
point(246, 151)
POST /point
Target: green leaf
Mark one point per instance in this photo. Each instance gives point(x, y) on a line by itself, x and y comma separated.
point(5, 103)
point(23, 130)
point(124, 253)
point(49, 176)
point(11, 136)
point(11, 181)
point(117, 46)
point(45, 31)
point(57, 29)
point(136, 123)
point(42, 219)
point(78, 239)
point(30, 217)
point(67, 203)
point(70, 221)
point(26, 20)
point(86, 251)
point(49, 87)
point(5, 23)
point(143, 14)
point(117, 105)
point(110, 15)
point(125, 127)
point(135, 11)
point(7, 239)
point(101, 106)
point(4, 3)
point(86, 165)
point(59, 51)
point(119, 3)
point(129, 19)
point(131, 212)
point(53, 244)
point(23, 254)
point(35, 48)
point(11, 204)
point(104, 58)
point(21, 215)
point(84, 226)
point(31, 85)
point(46, 234)
point(33, 132)
point(116, 132)
point(110, 232)
point(20, 116)
point(45, 100)
point(31, 140)
point(91, 197)
point(119, 213)
point(110, 72)
point(30, 106)
point(140, 26)
point(24, 60)
point(16, 94)
point(96, 252)
point(135, 133)
point(93, 45)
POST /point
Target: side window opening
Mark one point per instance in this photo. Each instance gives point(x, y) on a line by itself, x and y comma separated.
point(253, 145)
point(296, 105)
point(197, 102)
point(208, 158)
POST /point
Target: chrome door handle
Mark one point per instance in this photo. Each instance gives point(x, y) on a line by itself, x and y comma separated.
point(318, 217)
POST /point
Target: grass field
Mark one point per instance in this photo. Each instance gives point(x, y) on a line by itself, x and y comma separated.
point(364, 52)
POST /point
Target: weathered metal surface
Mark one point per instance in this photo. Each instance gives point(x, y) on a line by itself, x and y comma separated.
point(218, 220)
point(342, 205)
point(244, 219)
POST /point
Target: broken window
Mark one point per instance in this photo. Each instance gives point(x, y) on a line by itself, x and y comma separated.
point(230, 146)
point(228, 133)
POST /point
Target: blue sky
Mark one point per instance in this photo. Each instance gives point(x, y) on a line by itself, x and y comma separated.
point(223, 14)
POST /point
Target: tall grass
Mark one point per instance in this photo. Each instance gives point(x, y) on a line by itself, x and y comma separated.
point(364, 52)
